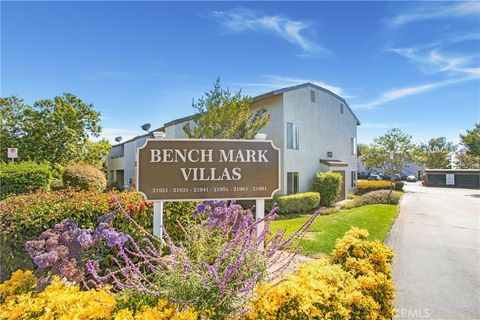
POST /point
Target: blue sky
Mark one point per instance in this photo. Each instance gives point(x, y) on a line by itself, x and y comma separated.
point(412, 65)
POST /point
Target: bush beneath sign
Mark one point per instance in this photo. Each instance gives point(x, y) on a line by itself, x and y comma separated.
point(23, 177)
point(328, 184)
point(298, 203)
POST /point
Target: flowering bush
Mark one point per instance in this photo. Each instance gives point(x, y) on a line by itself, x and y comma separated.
point(21, 282)
point(25, 217)
point(62, 300)
point(374, 197)
point(215, 267)
point(366, 186)
point(355, 284)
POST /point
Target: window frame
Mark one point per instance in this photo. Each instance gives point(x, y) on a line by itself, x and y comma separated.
point(293, 136)
point(353, 178)
point(353, 146)
point(293, 181)
point(312, 96)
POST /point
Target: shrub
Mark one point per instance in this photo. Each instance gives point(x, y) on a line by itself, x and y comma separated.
point(215, 267)
point(369, 262)
point(368, 186)
point(298, 203)
point(25, 217)
point(23, 177)
point(62, 300)
point(84, 176)
point(328, 184)
point(374, 197)
point(354, 284)
point(56, 184)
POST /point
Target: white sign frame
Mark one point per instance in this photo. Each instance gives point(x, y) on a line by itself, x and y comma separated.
point(12, 153)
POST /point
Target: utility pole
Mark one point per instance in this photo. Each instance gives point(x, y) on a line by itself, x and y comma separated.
point(392, 174)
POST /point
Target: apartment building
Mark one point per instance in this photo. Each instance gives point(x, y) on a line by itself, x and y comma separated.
point(315, 129)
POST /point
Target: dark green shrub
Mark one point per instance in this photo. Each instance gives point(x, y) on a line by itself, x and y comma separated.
point(328, 184)
point(23, 177)
point(84, 176)
point(25, 217)
point(298, 203)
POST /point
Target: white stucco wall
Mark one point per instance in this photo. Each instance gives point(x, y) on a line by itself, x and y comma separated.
point(322, 128)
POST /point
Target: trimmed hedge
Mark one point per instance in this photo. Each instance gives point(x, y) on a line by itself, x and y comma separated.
point(374, 197)
point(25, 217)
point(368, 186)
point(328, 184)
point(84, 176)
point(23, 177)
point(298, 203)
point(291, 203)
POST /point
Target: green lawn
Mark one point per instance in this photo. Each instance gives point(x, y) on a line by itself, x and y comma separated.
point(325, 230)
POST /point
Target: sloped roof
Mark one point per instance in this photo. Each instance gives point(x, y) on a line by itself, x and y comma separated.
point(303, 85)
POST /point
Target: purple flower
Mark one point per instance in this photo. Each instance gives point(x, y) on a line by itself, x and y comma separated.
point(113, 238)
point(45, 260)
point(85, 239)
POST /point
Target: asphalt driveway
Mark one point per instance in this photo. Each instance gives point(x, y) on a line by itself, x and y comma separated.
point(436, 239)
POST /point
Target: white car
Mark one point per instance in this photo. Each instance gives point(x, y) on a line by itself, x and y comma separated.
point(412, 179)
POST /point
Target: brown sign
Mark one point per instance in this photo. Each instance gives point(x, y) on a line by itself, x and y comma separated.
point(195, 169)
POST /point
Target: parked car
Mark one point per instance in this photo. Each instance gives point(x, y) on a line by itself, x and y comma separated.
point(411, 179)
point(374, 177)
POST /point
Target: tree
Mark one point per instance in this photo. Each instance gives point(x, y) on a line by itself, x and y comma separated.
point(471, 141)
point(223, 115)
point(54, 130)
point(435, 154)
point(378, 153)
point(94, 152)
point(361, 149)
point(463, 160)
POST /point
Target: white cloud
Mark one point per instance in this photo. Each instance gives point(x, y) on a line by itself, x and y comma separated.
point(459, 9)
point(435, 62)
point(395, 94)
point(241, 20)
point(111, 133)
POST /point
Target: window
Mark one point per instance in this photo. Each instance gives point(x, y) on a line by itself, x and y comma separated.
point(312, 96)
point(341, 107)
point(353, 178)
point(292, 182)
point(353, 145)
point(292, 136)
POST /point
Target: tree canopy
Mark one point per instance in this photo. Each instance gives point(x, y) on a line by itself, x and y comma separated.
point(221, 114)
point(471, 141)
point(436, 153)
point(377, 154)
point(55, 130)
